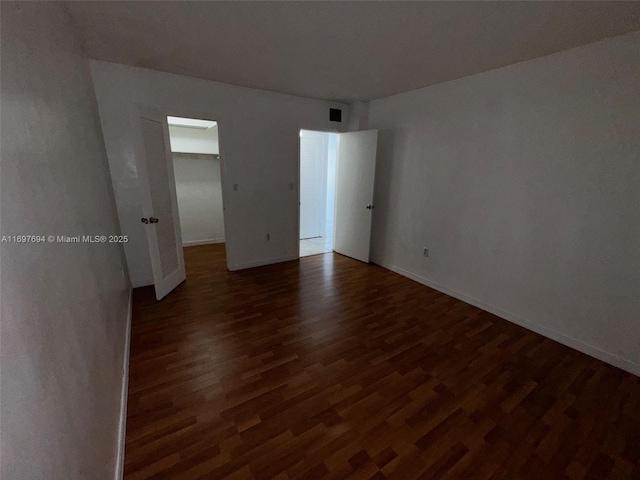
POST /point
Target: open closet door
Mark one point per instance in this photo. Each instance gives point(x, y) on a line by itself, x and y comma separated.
point(159, 202)
point(354, 193)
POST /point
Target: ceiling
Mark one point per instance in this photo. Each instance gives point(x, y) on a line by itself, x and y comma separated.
point(341, 51)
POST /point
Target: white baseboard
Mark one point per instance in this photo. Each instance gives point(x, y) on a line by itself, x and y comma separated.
point(125, 390)
point(203, 242)
point(260, 263)
point(590, 350)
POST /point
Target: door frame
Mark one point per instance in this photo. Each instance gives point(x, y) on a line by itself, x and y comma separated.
point(200, 115)
point(300, 129)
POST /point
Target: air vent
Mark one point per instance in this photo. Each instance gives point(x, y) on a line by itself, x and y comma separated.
point(335, 115)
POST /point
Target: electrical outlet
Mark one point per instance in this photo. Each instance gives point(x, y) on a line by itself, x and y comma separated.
point(425, 252)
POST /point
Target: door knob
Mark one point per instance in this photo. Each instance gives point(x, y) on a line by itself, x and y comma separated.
point(369, 207)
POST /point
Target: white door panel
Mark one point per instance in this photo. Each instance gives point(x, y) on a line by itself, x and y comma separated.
point(160, 206)
point(354, 193)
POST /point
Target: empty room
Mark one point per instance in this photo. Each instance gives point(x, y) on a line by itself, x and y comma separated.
point(298, 240)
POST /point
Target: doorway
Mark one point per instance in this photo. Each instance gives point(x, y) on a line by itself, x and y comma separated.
point(318, 159)
point(192, 139)
point(197, 173)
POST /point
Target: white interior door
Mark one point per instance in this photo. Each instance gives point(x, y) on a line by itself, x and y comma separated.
point(354, 193)
point(313, 171)
point(159, 202)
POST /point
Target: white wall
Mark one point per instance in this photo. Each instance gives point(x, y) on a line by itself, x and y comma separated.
point(258, 133)
point(524, 183)
point(191, 140)
point(199, 192)
point(313, 183)
point(64, 306)
point(198, 184)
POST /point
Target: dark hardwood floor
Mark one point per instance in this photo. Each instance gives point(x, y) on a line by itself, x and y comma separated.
point(330, 368)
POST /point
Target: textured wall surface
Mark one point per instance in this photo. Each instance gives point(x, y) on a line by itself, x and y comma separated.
point(64, 306)
point(524, 184)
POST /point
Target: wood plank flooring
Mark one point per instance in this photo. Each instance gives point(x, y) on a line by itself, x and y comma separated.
point(330, 368)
